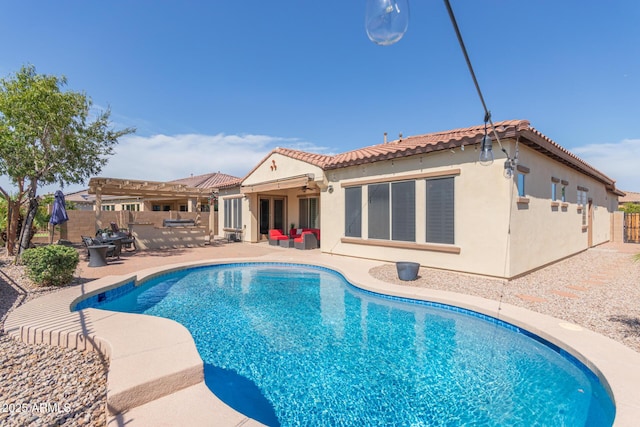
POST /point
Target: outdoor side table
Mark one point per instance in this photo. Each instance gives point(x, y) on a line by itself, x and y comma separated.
point(286, 243)
point(98, 255)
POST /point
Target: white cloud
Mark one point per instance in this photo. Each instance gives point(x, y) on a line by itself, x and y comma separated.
point(169, 157)
point(619, 161)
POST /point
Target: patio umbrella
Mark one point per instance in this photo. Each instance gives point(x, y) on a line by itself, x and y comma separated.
point(59, 213)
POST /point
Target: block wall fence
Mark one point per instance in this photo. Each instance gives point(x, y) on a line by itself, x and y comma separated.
point(83, 223)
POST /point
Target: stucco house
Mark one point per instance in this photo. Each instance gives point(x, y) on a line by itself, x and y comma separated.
point(428, 199)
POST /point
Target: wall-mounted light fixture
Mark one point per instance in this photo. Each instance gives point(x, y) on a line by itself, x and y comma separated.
point(330, 189)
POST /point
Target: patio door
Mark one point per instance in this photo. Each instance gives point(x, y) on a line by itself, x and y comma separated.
point(272, 215)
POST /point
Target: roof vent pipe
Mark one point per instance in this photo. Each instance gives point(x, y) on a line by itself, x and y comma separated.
point(385, 137)
point(400, 136)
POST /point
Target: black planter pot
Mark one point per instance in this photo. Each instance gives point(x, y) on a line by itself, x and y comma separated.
point(407, 270)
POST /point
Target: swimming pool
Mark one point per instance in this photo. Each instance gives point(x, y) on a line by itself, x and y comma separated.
point(295, 345)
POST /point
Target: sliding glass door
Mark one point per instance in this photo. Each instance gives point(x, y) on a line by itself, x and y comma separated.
point(272, 215)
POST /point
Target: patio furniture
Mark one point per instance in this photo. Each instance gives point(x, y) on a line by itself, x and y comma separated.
point(112, 241)
point(112, 250)
point(286, 243)
point(128, 241)
point(294, 233)
point(98, 255)
point(307, 240)
point(275, 236)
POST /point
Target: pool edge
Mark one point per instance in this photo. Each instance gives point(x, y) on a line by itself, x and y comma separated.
point(615, 364)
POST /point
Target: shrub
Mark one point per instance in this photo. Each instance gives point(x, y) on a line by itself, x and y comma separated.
point(51, 265)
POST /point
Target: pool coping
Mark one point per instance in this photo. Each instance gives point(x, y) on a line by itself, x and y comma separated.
point(156, 376)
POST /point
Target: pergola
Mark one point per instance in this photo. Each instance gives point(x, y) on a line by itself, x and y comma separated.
point(143, 188)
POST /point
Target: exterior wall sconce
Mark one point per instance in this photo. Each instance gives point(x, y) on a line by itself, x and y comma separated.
point(273, 165)
point(330, 189)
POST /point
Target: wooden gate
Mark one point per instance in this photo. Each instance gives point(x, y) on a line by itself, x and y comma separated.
point(632, 227)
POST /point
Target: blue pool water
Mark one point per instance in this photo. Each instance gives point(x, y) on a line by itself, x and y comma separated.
point(290, 345)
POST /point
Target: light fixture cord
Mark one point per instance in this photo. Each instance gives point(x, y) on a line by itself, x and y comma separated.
point(487, 113)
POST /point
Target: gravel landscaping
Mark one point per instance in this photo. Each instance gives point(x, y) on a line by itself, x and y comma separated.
point(42, 385)
point(598, 289)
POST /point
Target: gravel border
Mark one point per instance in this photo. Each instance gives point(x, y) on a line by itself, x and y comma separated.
point(43, 385)
point(598, 289)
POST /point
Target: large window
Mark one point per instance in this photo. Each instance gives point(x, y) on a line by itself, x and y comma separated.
point(353, 212)
point(403, 211)
point(392, 211)
point(309, 213)
point(440, 211)
point(379, 211)
point(233, 213)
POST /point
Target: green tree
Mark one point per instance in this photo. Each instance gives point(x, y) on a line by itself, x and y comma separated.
point(630, 208)
point(48, 136)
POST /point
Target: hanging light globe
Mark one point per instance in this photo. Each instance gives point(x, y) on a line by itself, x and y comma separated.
point(386, 21)
point(486, 151)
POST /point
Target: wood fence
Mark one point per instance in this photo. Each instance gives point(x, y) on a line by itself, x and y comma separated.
point(632, 227)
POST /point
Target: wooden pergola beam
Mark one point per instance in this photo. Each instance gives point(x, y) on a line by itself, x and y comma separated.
point(129, 187)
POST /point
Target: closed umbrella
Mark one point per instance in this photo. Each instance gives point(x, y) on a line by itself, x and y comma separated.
point(59, 213)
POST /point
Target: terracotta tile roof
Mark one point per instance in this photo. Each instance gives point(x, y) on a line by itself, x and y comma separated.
point(208, 180)
point(320, 160)
point(445, 140)
point(419, 144)
point(437, 141)
point(630, 197)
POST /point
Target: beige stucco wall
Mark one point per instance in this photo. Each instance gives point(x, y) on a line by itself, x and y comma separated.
point(494, 234)
point(148, 236)
point(481, 212)
point(268, 171)
point(84, 223)
point(541, 233)
point(285, 167)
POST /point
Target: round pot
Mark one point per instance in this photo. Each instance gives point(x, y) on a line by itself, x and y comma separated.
point(407, 270)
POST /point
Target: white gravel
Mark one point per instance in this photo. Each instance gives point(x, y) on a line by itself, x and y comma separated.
point(604, 285)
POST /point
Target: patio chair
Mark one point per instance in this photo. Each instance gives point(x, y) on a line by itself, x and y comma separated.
point(128, 241)
point(275, 236)
point(307, 240)
point(112, 252)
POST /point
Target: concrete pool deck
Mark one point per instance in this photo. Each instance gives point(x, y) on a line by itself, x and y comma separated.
point(155, 374)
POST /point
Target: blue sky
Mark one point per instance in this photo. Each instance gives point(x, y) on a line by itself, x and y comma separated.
point(214, 86)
